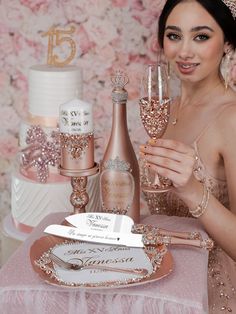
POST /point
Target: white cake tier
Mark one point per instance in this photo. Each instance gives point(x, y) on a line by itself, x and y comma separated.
point(50, 86)
point(32, 201)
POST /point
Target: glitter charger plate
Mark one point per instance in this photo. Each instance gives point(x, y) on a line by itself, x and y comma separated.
point(158, 257)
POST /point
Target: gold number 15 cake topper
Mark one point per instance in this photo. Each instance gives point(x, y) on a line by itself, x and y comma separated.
point(57, 36)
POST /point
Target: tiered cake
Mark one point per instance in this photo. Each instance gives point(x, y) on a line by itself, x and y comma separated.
point(37, 187)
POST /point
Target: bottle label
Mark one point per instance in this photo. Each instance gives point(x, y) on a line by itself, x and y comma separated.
point(117, 186)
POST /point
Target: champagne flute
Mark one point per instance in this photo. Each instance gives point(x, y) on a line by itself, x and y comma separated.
point(154, 112)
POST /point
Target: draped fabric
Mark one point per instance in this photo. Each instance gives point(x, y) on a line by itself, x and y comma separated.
point(183, 291)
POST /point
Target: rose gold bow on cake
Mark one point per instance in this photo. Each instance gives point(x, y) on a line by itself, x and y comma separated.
point(42, 151)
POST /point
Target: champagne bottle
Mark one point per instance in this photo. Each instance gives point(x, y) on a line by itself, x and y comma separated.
point(119, 181)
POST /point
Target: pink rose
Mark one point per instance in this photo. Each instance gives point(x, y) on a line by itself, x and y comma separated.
point(103, 110)
point(134, 84)
point(8, 145)
point(100, 31)
point(21, 82)
point(153, 5)
point(83, 40)
point(6, 89)
point(20, 104)
point(120, 3)
point(146, 17)
point(106, 56)
point(75, 12)
point(23, 52)
point(4, 80)
point(5, 201)
point(136, 5)
point(122, 58)
point(95, 7)
point(14, 15)
point(152, 47)
point(35, 5)
point(5, 167)
point(5, 41)
point(9, 119)
point(3, 180)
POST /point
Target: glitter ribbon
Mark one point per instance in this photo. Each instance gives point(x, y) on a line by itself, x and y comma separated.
point(49, 122)
point(42, 151)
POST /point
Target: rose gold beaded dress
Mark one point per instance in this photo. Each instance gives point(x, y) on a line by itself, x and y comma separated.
point(221, 268)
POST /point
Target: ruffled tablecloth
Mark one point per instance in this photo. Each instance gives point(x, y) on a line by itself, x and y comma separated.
point(184, 291)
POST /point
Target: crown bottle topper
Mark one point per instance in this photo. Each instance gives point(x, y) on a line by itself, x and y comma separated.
point(56, 38)
point(119, 93)
point(119, 79)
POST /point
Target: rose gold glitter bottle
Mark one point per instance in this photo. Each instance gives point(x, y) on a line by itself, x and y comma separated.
point(120, 186)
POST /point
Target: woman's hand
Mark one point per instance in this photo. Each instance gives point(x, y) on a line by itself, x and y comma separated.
point(171, 159)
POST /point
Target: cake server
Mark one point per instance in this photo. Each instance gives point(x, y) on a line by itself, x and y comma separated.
point(126, 239)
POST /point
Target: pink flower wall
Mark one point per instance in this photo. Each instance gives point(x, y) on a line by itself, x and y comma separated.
point(110, 35)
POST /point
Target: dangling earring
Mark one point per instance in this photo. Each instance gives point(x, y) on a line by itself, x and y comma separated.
point(168, 70)
point(226, 62)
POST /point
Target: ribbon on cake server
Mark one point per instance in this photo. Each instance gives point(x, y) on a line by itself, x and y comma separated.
point(42, 151)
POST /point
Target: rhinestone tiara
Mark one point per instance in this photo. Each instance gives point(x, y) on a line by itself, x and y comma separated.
point(231, 4)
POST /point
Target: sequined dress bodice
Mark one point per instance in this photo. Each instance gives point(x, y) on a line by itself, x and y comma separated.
point(222, 269)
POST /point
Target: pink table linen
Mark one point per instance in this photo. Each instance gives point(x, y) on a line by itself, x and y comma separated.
point(184, 291)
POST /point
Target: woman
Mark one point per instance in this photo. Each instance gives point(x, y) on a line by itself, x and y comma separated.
point(198, 150)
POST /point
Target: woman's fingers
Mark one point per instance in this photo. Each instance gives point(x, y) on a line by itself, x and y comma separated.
point(159, 151)
point(162, 162)
point(164, 172)
point(171, 159)
point(179, 178)
point(170, 168)
point(171, 144)
point(171, 149)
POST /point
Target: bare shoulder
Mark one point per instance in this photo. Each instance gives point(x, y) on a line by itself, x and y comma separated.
point(227, 117)
point(226, 123)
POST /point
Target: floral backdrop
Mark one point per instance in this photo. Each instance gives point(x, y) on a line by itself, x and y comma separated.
point(110, 35)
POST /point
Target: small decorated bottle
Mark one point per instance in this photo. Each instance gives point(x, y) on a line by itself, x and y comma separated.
point(119, 181)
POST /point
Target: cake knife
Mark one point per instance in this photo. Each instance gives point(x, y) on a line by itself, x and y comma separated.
point(126, 239)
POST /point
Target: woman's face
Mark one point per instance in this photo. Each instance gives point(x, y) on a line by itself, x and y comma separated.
point(193, 42)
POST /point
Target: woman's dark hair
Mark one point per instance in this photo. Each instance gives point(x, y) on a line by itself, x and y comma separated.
point(216, 8)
